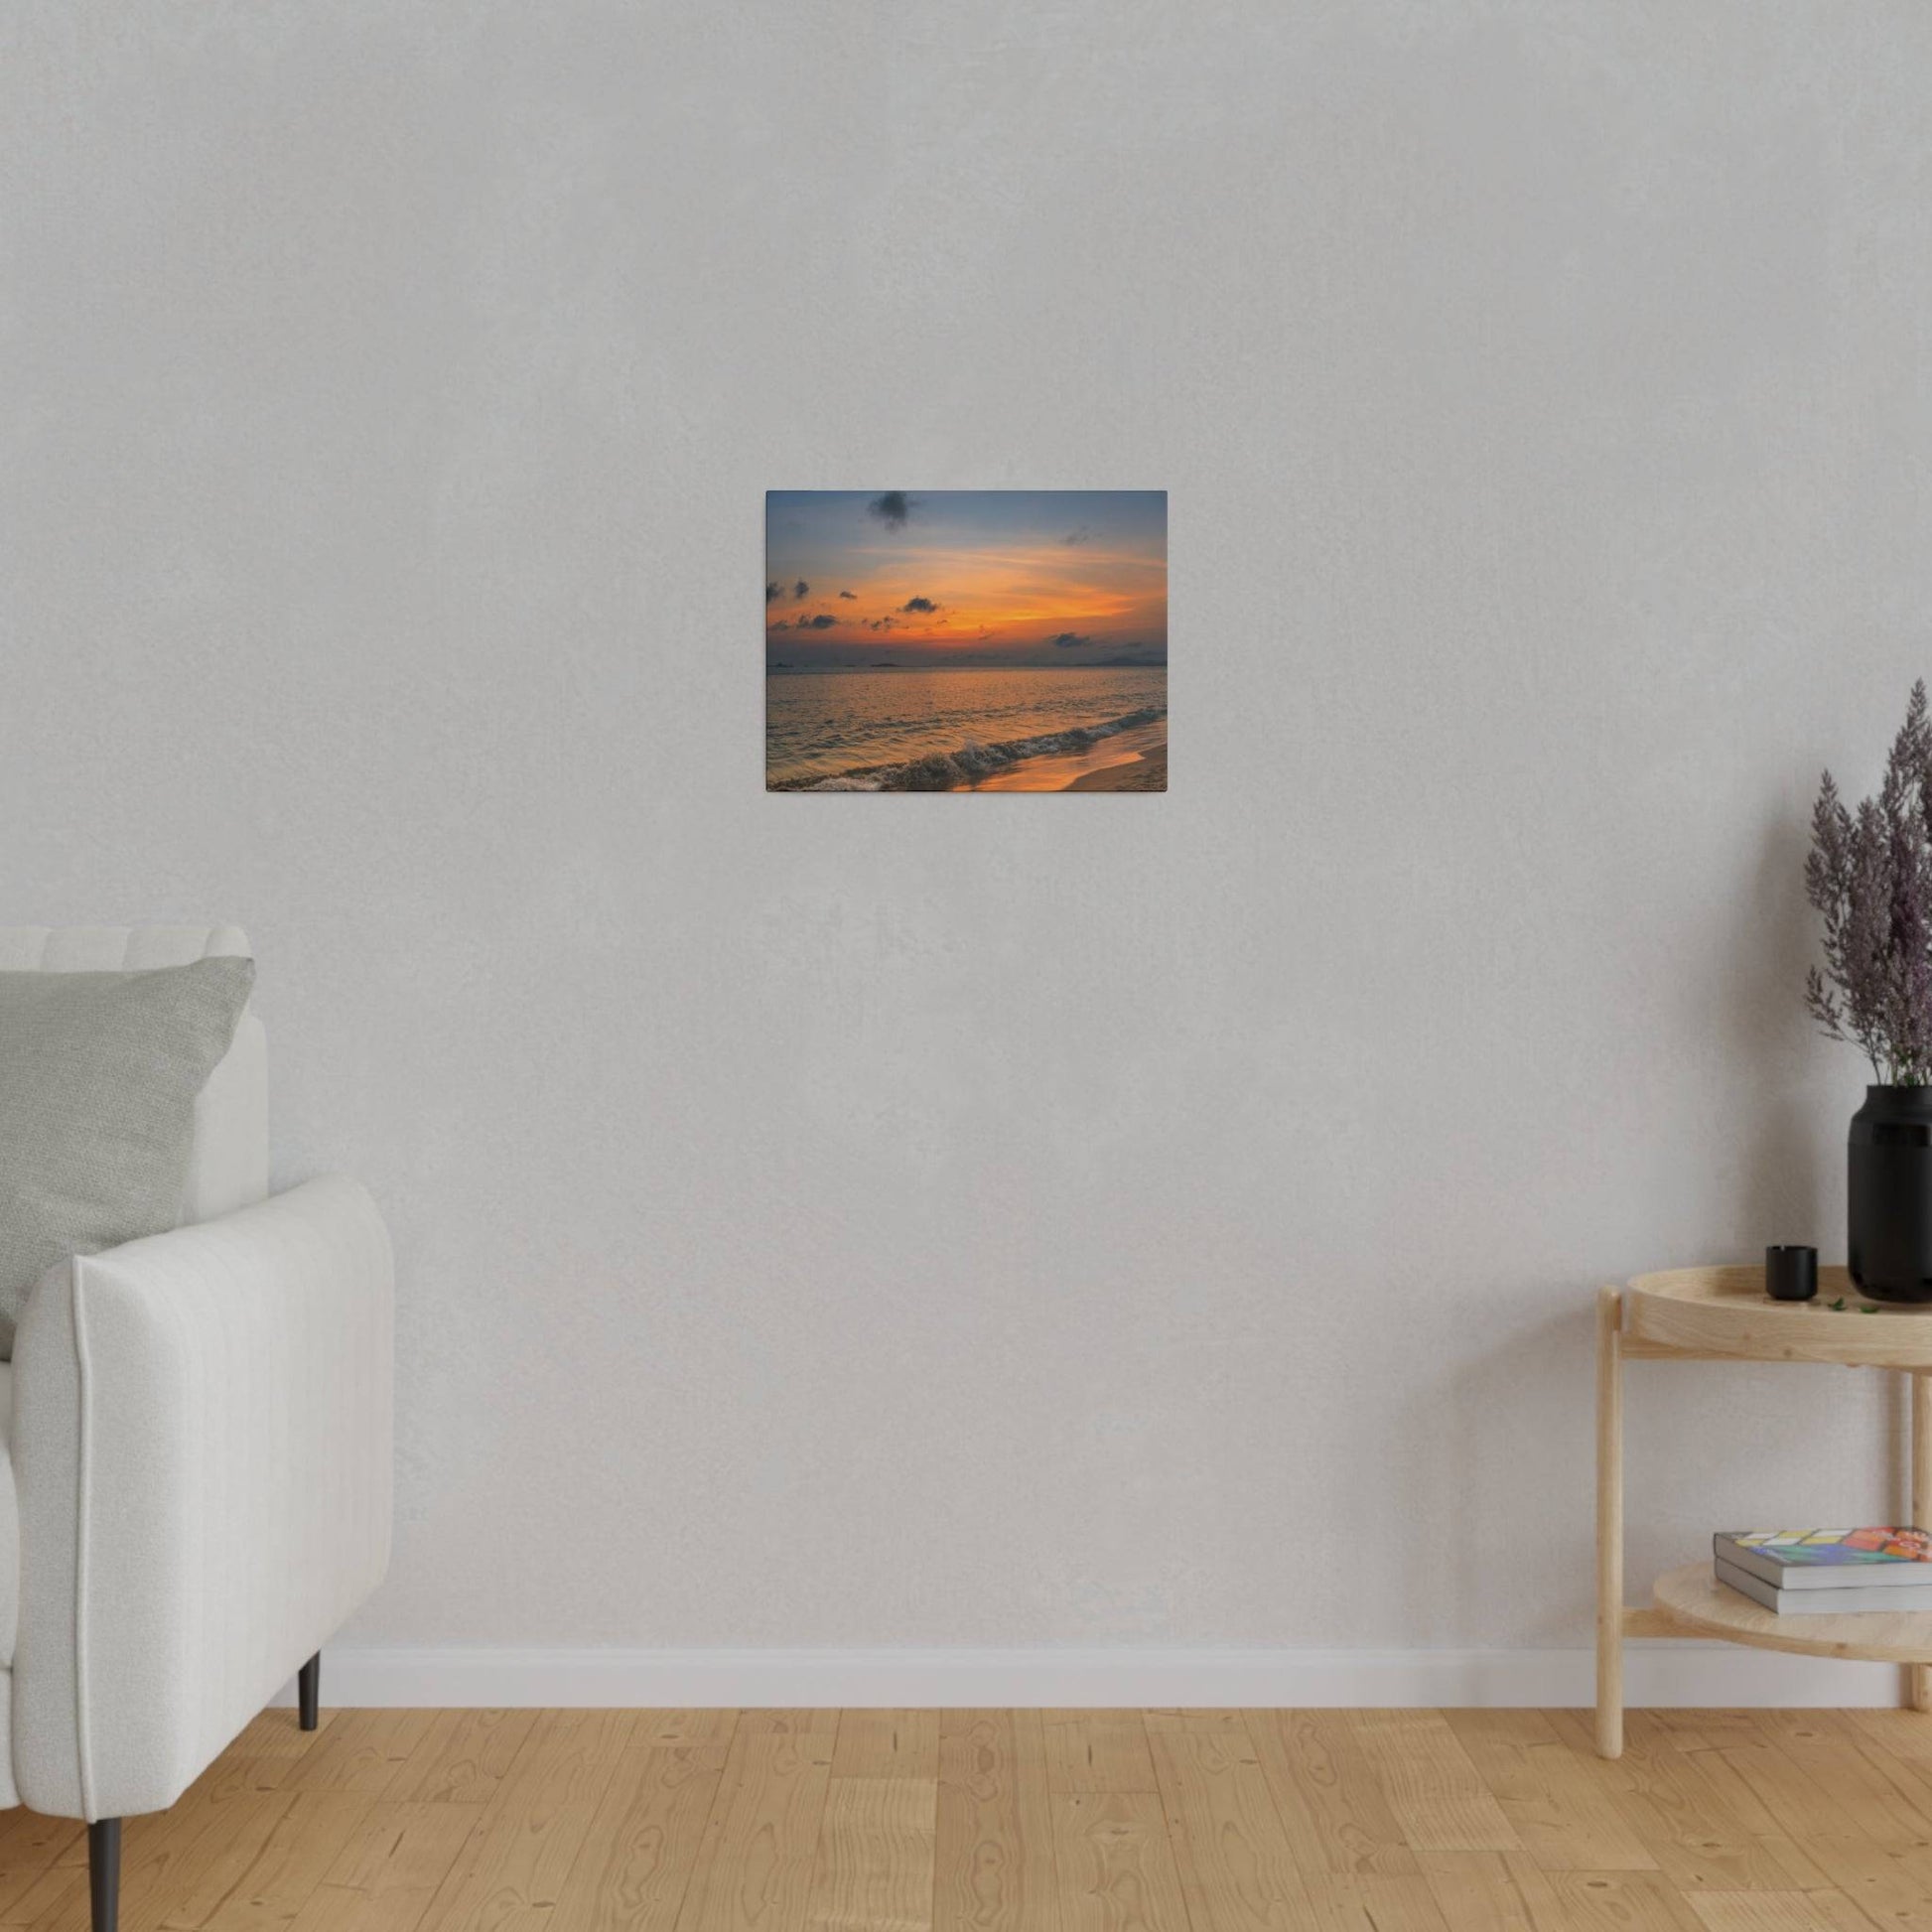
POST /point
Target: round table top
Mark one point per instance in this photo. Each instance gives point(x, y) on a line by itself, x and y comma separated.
point(1694, 1597)
point(1726, 1312)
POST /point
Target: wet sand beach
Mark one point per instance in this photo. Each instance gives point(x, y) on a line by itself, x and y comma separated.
point(1145, 772)
point(1104, 766)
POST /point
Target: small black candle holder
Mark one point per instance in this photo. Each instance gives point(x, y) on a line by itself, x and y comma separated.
point(1791, 1273)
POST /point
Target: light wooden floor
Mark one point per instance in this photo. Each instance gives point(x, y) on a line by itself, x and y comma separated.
point(1057, 1821)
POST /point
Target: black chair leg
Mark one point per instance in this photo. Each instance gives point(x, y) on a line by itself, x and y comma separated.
point(308, 1690)
point(104, 1872)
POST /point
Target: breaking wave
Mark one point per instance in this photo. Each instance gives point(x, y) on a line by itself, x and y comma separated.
point(972, 762)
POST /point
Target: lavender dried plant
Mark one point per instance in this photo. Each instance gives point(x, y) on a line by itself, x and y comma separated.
point(1870, 874)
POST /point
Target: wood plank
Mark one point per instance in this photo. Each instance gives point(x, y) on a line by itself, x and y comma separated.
point(1716, 1772)
point(1374, 1902)
point(1492, 1892)
point(338, 1909)
point(31, 1845)
point(464, 1760)
point(685, 1727)
point(1699, 1841)
point(1790, 1794)
point(1878, 1781)
point(1779, 1911)
point(1332, 1803)
point(801, 1722)
point(1432, 1788)
point(1213, 1723)
point(993, 1862)
point(1562, 1805)
point(642, 1848)
point(1237, 1872)
point(1899, 1757)
point(514, 1866)
point(305, 1842)
point(361, 1750)
point(1621, 1901)
point(762, 1841)
point(1720, 1776)
point(1097, 1750)
point(179, 1870)
point(886, 1745)
point(1116, 1867)
point(279, 1733)
point(1887, 1801)
point(335, 1908)
point(229, 1775)
point(1901, 1733)
point(57, 1895)
point(1400, 1821)
point(57, 1901)
point(1699, 1729)
point(397, 1857)
point(1894, 1888)
point(1822, 1831)
point(874, 1872)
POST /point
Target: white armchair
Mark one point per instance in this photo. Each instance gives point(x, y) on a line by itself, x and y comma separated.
point(198, 1436)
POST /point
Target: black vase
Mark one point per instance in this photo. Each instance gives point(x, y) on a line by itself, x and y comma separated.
point(1890, 1199)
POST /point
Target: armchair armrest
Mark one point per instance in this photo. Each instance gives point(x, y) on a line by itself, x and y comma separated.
point(201, 1445)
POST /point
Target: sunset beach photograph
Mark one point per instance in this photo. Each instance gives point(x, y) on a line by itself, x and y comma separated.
point(966, 640)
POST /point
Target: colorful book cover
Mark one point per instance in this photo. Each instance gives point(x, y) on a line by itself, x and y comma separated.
point(1820, 1549)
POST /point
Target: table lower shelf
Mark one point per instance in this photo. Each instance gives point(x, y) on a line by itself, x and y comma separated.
point(1696, 1604)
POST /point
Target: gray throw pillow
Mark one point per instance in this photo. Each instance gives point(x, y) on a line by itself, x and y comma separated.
point(98, 1076)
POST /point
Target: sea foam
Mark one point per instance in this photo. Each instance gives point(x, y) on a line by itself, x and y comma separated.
point(971, 762)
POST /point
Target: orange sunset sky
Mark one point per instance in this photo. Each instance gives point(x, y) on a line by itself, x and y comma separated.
point(1054, 577)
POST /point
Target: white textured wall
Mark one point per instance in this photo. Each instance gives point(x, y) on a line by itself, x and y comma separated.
point(1015, 1220)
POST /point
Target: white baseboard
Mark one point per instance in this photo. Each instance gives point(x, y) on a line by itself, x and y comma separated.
point(1658, 1674)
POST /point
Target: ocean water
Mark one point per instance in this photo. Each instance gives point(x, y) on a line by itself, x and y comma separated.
point(929, 731)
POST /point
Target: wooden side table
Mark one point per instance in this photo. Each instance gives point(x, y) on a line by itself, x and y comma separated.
point(1703, 1314)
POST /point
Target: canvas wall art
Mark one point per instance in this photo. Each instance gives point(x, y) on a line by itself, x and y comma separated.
point(966, 640)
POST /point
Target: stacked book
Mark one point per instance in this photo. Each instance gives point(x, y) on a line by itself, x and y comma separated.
point(1827, 1572)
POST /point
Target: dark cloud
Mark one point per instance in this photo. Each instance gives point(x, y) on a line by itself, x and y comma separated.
point(770, 590)
point(849, 596)
point(921, 604)
point(892, 508)
point(1069, 640)
point(819, 622)
point(1081, 535)
point(802, 589)
point(783, 624)
point(879, 623)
